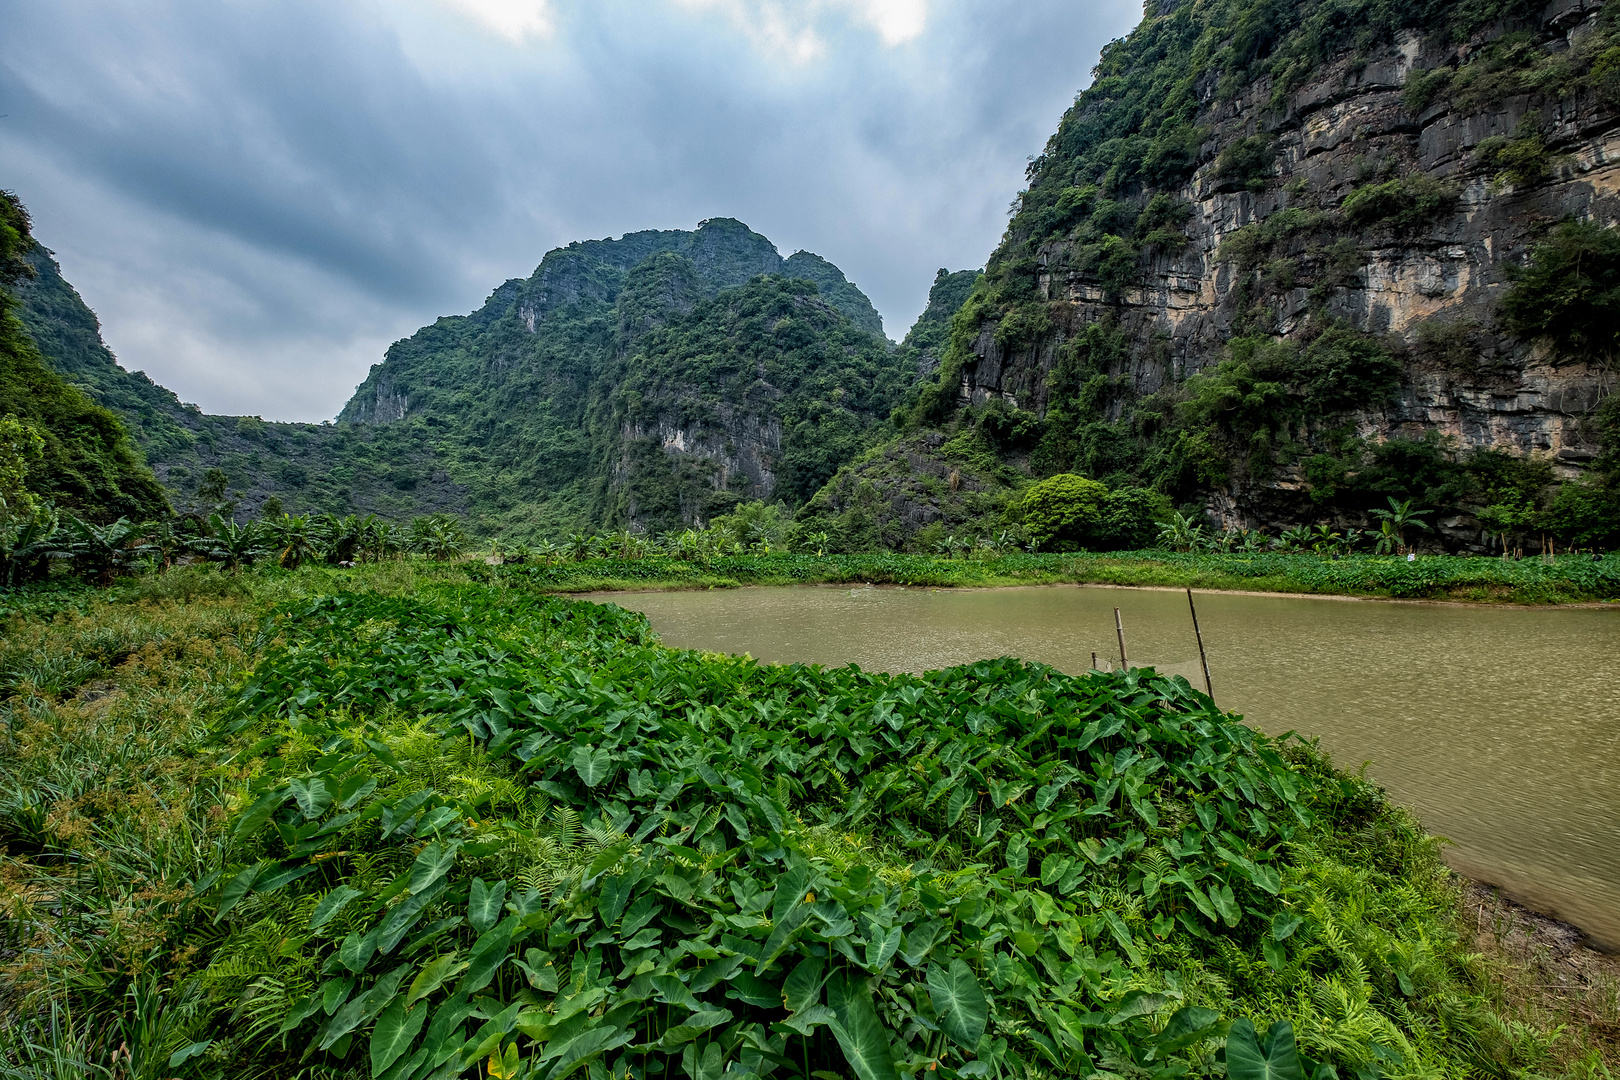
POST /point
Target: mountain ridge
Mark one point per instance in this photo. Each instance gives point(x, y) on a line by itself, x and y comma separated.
point(533, 353)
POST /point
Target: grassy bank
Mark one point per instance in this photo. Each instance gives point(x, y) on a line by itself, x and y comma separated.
point(392, 822)
point(1568, 579)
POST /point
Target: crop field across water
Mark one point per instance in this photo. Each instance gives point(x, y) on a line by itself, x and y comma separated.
point(1566, 579)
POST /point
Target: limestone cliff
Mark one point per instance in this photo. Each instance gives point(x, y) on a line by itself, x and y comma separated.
point(1365, 192)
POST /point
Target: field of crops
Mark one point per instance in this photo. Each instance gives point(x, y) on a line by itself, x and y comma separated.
point(1569, 578)
point(375, 824)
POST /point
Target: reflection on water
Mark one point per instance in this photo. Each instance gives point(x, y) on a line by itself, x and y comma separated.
point(1499, 726)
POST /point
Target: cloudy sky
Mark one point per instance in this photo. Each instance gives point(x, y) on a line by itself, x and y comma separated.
point(258, 196)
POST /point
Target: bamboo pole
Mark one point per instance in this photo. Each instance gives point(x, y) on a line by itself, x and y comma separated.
point(1199, 634)
point(1119, 629)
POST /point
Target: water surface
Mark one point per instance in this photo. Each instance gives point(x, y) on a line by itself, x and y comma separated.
point(1499, 726)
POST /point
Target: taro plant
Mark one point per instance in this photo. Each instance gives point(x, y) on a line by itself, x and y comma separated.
point(514, 834)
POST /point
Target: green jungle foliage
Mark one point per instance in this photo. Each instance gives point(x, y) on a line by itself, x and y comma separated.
point(915, 492)
point(931, 333)
point(771, 344)
point(86, 461)
point(488, 830)
point(1072, 513)
point(835, 289)
point(1568, 295)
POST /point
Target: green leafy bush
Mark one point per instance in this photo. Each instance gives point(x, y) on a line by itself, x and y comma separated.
point(1568, 294)
point(1063, 512)
point(1521, 159)
point(1405, 204)
point(1246, 162)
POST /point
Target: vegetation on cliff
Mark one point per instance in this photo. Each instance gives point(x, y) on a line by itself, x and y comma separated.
point(530, 416)
point(1106, 203)
point(68, 450)
point(408, 825)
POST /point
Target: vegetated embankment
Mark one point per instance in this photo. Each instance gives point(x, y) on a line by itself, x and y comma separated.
point(1566, 579)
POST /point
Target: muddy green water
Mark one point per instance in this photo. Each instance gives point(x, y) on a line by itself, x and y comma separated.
point(1499, 726)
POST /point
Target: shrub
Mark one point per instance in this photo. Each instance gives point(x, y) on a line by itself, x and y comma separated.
point(1343, 369)
point(1246, 163)
point(1022, 327)
point(1405, 204)
point(1569, 293)
point(1130, 518)
point(1520, 160)
point(1063, 512)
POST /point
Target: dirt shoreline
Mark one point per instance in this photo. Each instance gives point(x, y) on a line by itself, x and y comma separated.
point(1545, 969)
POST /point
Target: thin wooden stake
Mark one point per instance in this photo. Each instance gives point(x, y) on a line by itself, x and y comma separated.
point(1119, 629)
point(1202, 659)
point(1094, 666)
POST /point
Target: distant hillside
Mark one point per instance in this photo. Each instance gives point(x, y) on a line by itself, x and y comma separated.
point(308, 467)
point(655, 380)
point(89, 464)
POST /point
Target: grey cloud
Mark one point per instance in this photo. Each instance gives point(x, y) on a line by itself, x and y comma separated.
point(259, 196)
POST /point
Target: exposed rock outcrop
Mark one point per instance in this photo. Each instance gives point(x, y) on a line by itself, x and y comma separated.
point(1430, 290)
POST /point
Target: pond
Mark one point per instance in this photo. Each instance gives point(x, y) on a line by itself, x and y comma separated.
point(1499, 726)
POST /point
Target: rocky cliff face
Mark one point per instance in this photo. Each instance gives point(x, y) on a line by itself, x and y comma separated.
point(1278, 231)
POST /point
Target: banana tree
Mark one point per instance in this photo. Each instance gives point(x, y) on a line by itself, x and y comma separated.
point(1324, 539)
point(102, 550)
point(439, 536)
point(379, 539)
point(294, 541)
point(1295, 539)
point(26, 542)
point(1181, 534)
point(232, 545)
point(163, 541)
point(338, 538)
point(1399, 517)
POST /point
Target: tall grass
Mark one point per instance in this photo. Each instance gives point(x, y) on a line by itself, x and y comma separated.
point(111, 812)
